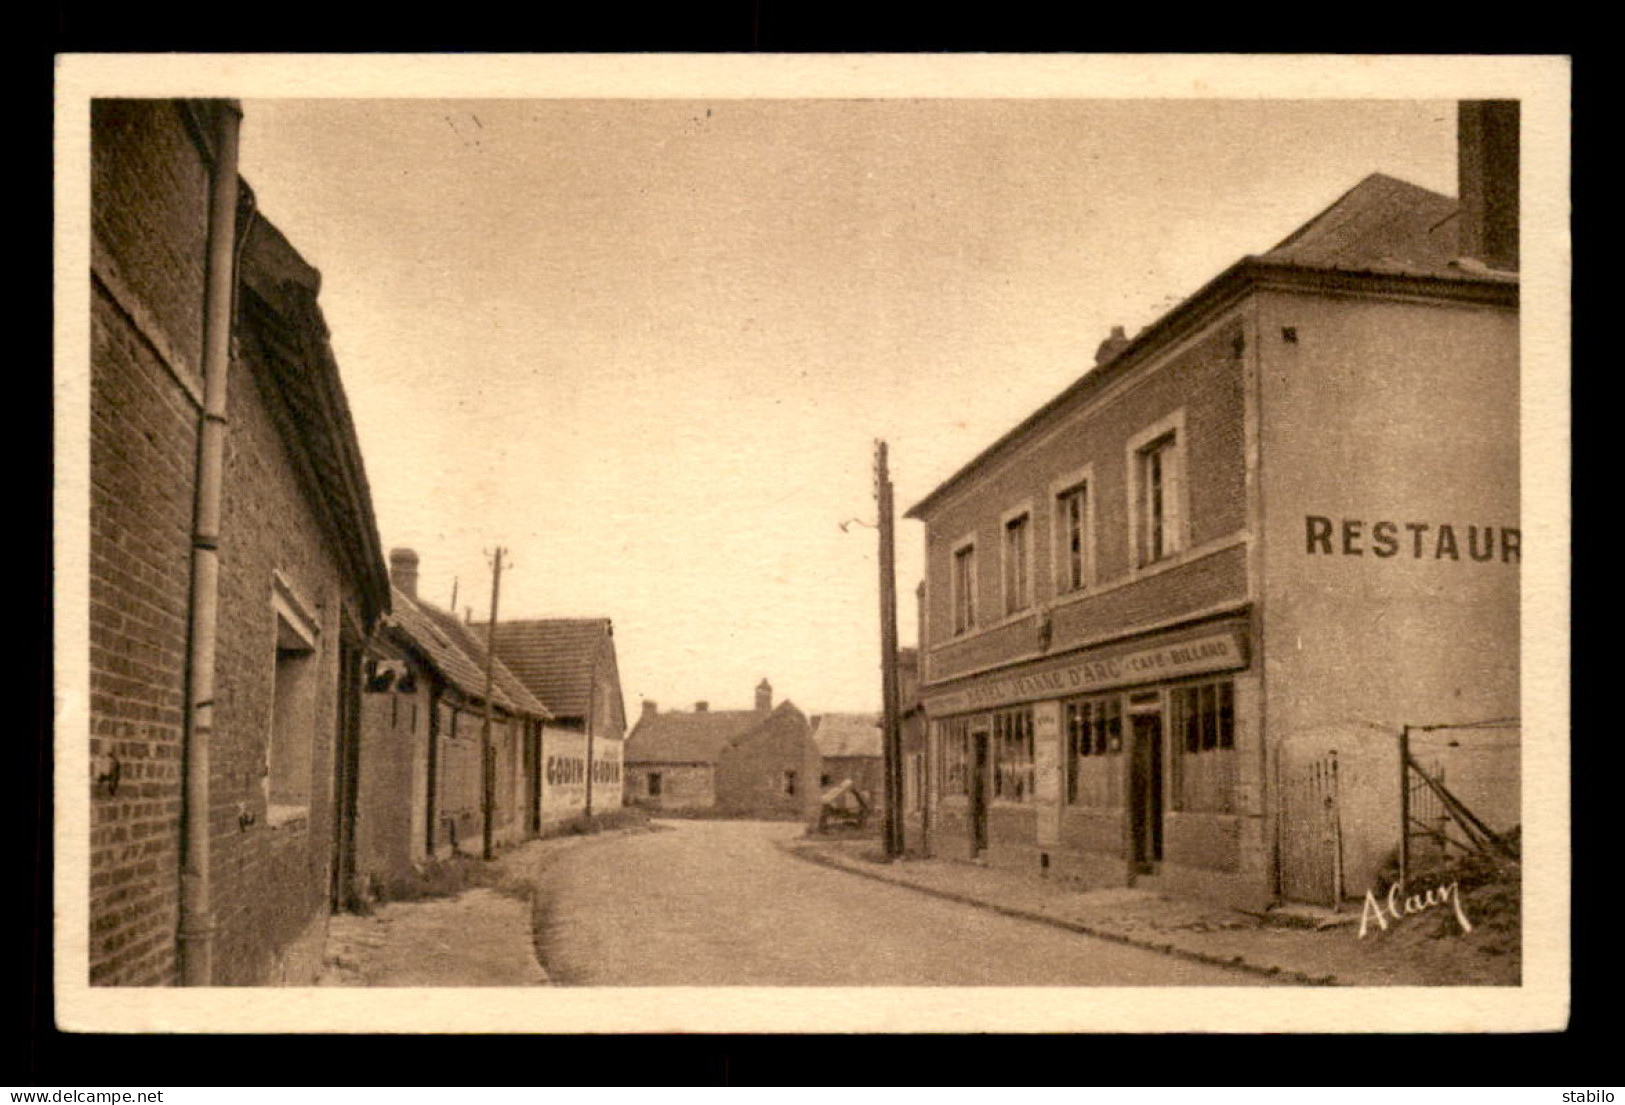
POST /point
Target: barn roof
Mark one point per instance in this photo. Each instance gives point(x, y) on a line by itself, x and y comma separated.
point(682, 738)
point(555, 658)
point(458, 655)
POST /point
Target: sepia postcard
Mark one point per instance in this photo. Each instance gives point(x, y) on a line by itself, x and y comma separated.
point(812, 543)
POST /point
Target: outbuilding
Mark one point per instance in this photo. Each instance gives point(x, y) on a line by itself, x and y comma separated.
point(740, 763)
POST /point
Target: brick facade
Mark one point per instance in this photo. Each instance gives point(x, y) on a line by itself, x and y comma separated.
point(1140, 726)
point(145, 350)
point(1127, 608)
point(1204, 382)
point(271, 877)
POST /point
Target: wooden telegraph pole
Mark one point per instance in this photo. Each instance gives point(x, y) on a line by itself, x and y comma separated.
point(893, 735)
point(488, 776)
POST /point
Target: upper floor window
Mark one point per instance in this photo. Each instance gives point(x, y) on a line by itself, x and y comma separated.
point(964, 588)
point(1017, 555)
point(1158, 491)
point(1074, 538)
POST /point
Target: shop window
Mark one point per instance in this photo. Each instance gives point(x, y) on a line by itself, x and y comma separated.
point(953, 736)
point(1013, 755)
point(1016, 553)
point(1072, 526)
point(1094, 742)
point(963, 588)
point(1204, 739)
point(1158, 491)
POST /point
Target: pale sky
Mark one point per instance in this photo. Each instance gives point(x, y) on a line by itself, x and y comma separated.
point(647, 345)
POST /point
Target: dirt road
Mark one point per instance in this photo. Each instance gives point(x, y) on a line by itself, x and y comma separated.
point(717, 903)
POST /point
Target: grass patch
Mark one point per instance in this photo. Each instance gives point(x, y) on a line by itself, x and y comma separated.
point(628, 817)
point(443, 878)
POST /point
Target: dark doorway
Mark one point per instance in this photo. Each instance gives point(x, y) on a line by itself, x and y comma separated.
point(1145, 793)
point(978, 792)
point(533, 779)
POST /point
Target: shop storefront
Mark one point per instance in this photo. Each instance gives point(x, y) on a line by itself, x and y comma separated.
point(1131, 764)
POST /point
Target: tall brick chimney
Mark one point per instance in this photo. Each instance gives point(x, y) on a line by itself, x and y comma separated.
point(764, 696)
point(1487, 179)
point(403, 570)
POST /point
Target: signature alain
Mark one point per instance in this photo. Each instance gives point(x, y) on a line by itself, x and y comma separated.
point(1412, 905)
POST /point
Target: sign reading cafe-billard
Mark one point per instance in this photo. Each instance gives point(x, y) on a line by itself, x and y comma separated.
point(1217, 652)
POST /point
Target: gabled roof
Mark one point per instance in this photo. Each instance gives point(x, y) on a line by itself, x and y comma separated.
point(1380, 225)
point(555, 658)
point(688, 738)
point(458, 655)
point(1382, 233)
point(847, 734)
point(284, 334)
point(696, 738)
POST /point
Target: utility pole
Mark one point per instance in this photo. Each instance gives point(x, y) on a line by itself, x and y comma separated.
point(892, 728)
point(488, 776)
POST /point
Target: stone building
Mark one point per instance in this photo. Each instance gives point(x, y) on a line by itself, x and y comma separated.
point(1249, 545)
point(235, 570)
point(743, 763)
point(569, 664)
point(850, 749)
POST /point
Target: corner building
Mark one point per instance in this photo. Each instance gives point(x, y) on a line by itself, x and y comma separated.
point(1279, 523)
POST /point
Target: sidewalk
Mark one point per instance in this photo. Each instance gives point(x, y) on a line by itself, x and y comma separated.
point(483, 936)
point(479, 938)
point(1408, 954)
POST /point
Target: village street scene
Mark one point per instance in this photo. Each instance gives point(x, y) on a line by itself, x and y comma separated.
point(806, 543)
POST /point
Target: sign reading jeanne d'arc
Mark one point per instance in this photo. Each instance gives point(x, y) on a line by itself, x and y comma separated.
point(1219, 652)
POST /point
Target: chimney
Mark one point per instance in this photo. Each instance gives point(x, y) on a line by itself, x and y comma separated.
point(650, 707)
point(1111, 347)
point(701, 707)
point(403, 570)
point(764, 696)
point(1487, 180)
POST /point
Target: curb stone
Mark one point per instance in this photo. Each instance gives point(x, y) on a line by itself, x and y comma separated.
point(1239, 963)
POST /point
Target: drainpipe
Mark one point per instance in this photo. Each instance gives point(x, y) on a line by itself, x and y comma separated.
point(197, 927)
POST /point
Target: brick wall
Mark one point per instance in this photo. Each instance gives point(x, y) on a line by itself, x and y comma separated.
point(390, 802)
point(1206, 383)
point(149, 191)
point(270, 883)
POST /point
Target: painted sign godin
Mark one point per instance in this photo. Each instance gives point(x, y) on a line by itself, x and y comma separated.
point(1204, 654)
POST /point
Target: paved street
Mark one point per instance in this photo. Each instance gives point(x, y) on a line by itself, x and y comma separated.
point(714, 903)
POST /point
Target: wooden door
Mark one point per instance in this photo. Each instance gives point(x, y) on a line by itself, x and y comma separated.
point(1145, 792)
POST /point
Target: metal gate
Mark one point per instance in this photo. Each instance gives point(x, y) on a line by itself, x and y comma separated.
point(1310, 826)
